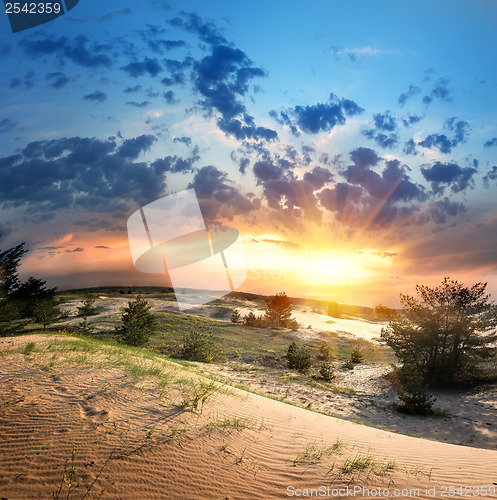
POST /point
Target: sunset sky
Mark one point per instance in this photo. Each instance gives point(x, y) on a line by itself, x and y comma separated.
point(352, 144)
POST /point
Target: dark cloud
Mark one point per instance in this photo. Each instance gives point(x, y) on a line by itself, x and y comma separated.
point(412, 91)
point(244, 164)
point(160, 46)
point(78, 173)
point(383, 140)
point(79, 249)
point(175, 164)
point(115, 13)
point(385, 121)
point(129, 90)
point(410, 147)
point(237, 129)
point(184, 140)
point(78, 50)
point(177, 70)
point(318, 117)
point(445, 144)
point(318, 177)
point(103, 247)
point(393, 185)
point(15, 82)
point(136, 68)
point(440, 209)
point(490, 143)
point(169, 97)
point(218, 197)
point(142, 104)
point(133, 148)
point(440, 91)
point(341, 195)
point(6, 125)
point(97, 96)
point(205, 30)
point(411, 120)
point(29, 80)
point(442, 175)
point(491, 175)
point(57, 79)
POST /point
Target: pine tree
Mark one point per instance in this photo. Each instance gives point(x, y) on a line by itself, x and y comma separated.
point(138, 323)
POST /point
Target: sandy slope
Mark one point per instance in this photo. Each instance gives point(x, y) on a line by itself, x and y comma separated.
point(241, 446)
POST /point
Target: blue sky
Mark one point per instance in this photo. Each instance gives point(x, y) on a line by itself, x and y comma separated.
point(365, 132)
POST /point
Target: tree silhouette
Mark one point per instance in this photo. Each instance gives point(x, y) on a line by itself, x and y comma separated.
point(279, 310)
point(442, 334)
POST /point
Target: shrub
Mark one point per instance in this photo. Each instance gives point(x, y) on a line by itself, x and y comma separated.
point(298, 357)
point(334, 310)
point(411, 390)
point(250, 319)
point(325, 352)
point(198, 346)
point(357, 355)
point(385, 313)
point(138, 323)
point(327, 371)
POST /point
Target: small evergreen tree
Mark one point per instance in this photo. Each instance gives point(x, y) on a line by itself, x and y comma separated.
point(250, 319)
point(298, 357)
point(138, 323)
point(334, 310)
point(87, 308)
point(46, 312)
point(279, 311)
point(198, 346)
point(235, 317)
point(327, 371)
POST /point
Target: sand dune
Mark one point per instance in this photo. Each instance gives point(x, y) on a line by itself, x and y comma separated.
point(137, 435)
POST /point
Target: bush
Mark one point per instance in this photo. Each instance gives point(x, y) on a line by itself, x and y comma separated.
point(138, 323)
point(443, 334)
point(250, 319)
point(334, 310)
point(325, 352)
point(384, 313)
point(357, 355)
point(411, 390)
point(327, 371)
point(198, 346)
point(298, 357)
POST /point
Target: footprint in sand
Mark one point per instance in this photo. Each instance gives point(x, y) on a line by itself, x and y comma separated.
point(88, 412)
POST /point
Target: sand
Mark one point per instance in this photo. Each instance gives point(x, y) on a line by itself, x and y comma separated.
point(132, 440)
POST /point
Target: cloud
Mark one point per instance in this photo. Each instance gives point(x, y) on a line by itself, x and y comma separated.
point(129, 90)
point(15, 82)
point(439, 91)
point(321, 117)
point(411, 120)
point(150, 66)
point(318, 177)
point(444, 174)
point(142, 104)
point(410, 147)
point(113, 14)
point(175, 164)
point(57, 79)
point(490, 143)
point(133, 148)
point(356, 54)
point(440, 209)
point(160, 46)
point(97, 96)
point(393, 185)
point(412, 91)
point(80, 173)
point(184, 140)
point(491, 175)
point(79, 249)
point(103, 247)
point(445, 144)
point(205, 30)
point(218, 197)
point(169, 97)
point(78, 50)
point(6, 125)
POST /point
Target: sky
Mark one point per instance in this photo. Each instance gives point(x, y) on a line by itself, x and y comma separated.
point(353, 145)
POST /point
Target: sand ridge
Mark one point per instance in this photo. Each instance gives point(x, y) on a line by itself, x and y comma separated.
point(132, 441)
